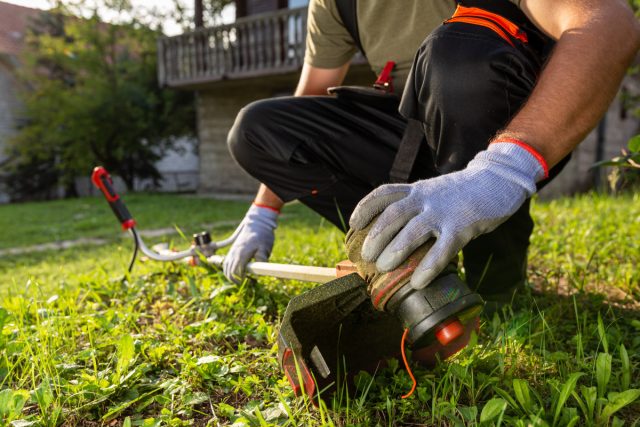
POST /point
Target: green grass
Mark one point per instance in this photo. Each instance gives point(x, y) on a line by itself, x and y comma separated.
point(82, 344)
point(24, 224)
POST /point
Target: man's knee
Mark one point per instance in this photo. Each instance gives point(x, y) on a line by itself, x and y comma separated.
point(461, 60)
point(243, 139)
point(466, 83)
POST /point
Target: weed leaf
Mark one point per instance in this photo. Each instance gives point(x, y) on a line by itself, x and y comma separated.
point(521, 389)
point(43, 396)
point(493, 409)
point(4, 315)
point(580, 402)
point(626, 369)
point(573, 421)
point(619, 401)
point(12, 402)
point(469, 413)
point(507, 397)
point(603, 372)
point(565, 392)
point(126, 352)
point(603, 334)
point(590, 397)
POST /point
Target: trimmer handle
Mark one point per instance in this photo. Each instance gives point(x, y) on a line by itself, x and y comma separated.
point(101, 179)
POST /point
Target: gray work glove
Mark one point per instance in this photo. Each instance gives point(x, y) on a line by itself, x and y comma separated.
point(254, 241)
point(452, 208)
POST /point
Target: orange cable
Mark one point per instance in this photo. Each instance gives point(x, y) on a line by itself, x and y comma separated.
point(406, 364)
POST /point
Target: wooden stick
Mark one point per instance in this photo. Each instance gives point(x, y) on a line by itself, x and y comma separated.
point(304, 273)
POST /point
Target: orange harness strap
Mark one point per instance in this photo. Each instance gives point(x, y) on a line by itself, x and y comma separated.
point(500, 25)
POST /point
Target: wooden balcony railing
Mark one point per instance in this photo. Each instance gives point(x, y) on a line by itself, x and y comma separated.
point(250, 47)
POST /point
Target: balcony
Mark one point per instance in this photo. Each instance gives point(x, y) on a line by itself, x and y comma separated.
point(259, 45)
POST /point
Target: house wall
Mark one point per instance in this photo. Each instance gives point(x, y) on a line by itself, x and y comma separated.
point(9, 103)
point(178, 167)
point(9, 110)
point(217, 110)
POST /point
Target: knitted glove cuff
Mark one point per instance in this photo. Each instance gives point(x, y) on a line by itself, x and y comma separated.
point(508, 146)
point(512, 162)
point(263, 215)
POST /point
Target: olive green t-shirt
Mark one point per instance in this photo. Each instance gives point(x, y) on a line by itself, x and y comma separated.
point(389, 31)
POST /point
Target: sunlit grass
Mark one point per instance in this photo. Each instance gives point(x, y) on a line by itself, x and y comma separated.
point(83, 344)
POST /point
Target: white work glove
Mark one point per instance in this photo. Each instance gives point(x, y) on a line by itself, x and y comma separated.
point(254, 241)
point(452, 208)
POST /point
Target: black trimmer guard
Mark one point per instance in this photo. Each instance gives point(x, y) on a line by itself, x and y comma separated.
point(332, 332)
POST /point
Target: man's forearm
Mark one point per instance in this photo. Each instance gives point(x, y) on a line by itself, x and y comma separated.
point(578, 83)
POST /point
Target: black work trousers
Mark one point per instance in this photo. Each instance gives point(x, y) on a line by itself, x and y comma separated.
point(328, 153)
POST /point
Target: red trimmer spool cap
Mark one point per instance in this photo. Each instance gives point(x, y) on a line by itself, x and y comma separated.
point(448, 331)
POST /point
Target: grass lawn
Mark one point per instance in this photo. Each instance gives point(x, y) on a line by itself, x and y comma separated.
point(83, 344)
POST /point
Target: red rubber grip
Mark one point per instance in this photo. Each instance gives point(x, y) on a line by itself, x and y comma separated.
point(102, 180)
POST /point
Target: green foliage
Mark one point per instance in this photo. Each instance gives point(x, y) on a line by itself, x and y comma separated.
point(11, 403)
point(626, 167)
point(174, 346)
point(93, 98)
point(23, 224)
point(492, 410)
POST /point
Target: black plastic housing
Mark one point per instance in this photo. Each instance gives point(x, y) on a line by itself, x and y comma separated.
point(333, 331)
point(423, 309)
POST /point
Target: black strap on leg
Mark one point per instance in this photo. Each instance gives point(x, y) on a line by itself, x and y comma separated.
point(407, 152)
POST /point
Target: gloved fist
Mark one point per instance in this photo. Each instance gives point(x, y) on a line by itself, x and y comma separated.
point(452, 208)
point(254, 241)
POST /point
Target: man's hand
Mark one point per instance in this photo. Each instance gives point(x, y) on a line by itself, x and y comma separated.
point(452, 208)
point(254, 241)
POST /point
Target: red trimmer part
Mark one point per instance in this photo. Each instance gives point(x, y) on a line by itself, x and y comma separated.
point(102, 180)
point(429, 355)
point(295, 375)
point(449, 330)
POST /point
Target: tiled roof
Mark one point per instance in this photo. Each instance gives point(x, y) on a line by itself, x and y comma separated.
point(14, 21)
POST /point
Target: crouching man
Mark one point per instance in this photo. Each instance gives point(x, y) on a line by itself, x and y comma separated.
point(502, 91)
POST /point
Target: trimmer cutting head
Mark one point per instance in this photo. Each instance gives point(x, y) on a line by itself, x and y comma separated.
point(332, 332)
point(437, 311)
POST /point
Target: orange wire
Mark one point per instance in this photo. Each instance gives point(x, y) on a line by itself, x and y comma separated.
point(406, 364)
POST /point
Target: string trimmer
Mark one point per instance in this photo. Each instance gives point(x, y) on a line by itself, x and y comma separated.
point(331, 332)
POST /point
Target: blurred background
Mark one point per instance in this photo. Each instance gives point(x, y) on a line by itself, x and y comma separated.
point(149, 89)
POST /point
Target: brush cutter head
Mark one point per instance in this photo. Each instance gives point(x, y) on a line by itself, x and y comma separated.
point(332, 332)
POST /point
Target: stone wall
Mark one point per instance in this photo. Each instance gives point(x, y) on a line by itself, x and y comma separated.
point(217, 110)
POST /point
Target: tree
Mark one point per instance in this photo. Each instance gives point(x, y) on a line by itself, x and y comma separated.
point(93, 98)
